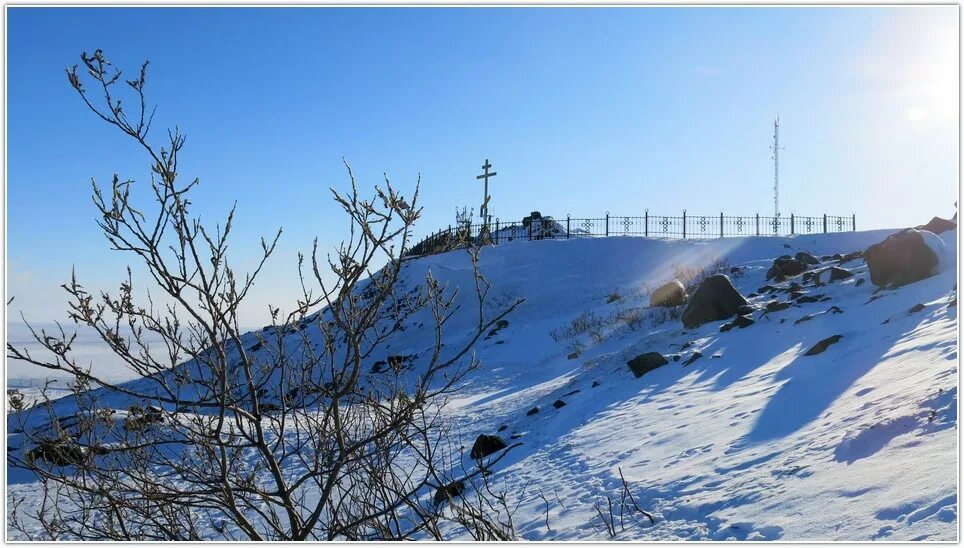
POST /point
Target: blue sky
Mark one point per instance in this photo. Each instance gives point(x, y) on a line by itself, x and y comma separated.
point(581, 111)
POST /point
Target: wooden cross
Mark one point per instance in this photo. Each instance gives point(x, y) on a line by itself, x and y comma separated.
point(484, 210)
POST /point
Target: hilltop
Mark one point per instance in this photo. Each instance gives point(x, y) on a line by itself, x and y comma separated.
point(740, 434)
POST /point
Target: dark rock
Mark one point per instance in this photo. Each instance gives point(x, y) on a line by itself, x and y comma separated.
point(745, 309)
point(59, 453)
point(644, 363)
point(837, 273)
point(485, 445)
point(502, 324)
point(900, 259)
point(806, 318)
point(715, 299)
point(735, 270)
point(809, 298)
point(916, 308)
point(952, 303)
point(739, 321)
point(532, 411)
point(558, 404)
point(776, 306)
point(806, 258)
point(796, 294)
point(794, 286)
point(834, 310)
point(255, 347)
point(572, 356)
point(595, 384)
point(449, 492)
point(696, 355)
point(676, 357)
point(377, 366)
point(742, 321)
point(851, 256)
point(860, 281)
point(938, 225)
point(751, 295)
point(765, 289)
point(785, 267)
point(503, 427)
point(822, 345)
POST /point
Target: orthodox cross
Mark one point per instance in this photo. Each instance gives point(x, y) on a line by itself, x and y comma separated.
point(484, 210)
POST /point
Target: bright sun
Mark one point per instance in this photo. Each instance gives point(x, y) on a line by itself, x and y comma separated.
point(915, 113)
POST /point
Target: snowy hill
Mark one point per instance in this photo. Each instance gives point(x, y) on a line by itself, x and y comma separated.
point(740, 435)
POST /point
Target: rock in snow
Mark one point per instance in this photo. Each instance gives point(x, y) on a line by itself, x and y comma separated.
point(485, 445)
point(669, 294)
point(645, 363)
point(715, 299)
point(903, 258)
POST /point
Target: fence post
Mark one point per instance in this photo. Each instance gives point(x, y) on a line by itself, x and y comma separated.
point(496, 239)
point(757, 224)
point(853, 222)
point(824, 223)
point(721, 224)
point(684, 224)
point(607, 224)
point(646, 221)
point(791, 223)
point(567, 226)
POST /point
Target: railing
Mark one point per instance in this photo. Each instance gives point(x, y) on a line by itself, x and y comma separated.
point(646, 225)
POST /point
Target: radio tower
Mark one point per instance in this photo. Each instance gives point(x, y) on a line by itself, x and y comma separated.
point(776, 166)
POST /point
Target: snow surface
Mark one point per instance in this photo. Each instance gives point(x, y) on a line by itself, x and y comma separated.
point(752, 441)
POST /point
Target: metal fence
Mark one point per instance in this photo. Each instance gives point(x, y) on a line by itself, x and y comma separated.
point(646, 225)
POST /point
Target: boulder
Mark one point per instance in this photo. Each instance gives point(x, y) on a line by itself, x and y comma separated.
point(822, 345)
point(644, 363)
point(901, 259)
point(670, 294)
point(59, 453)
point(485, 445)
point(715, 299)
point(837, 273)
point(558, 404)
point(916, 308)
point(776, 306)
point(850, 257)
point(739, 321)
point(785, 267)
point(806, 258)
point(449, 491)
point(532, 411)
point(695, 356)
point(938, 225)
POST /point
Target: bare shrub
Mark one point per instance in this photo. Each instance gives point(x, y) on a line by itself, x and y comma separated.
point(283, 439)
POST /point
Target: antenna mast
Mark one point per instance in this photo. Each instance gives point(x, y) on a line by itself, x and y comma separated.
point(776, 166)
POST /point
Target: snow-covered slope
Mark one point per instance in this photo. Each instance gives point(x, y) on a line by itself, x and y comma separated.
point(753, 440)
